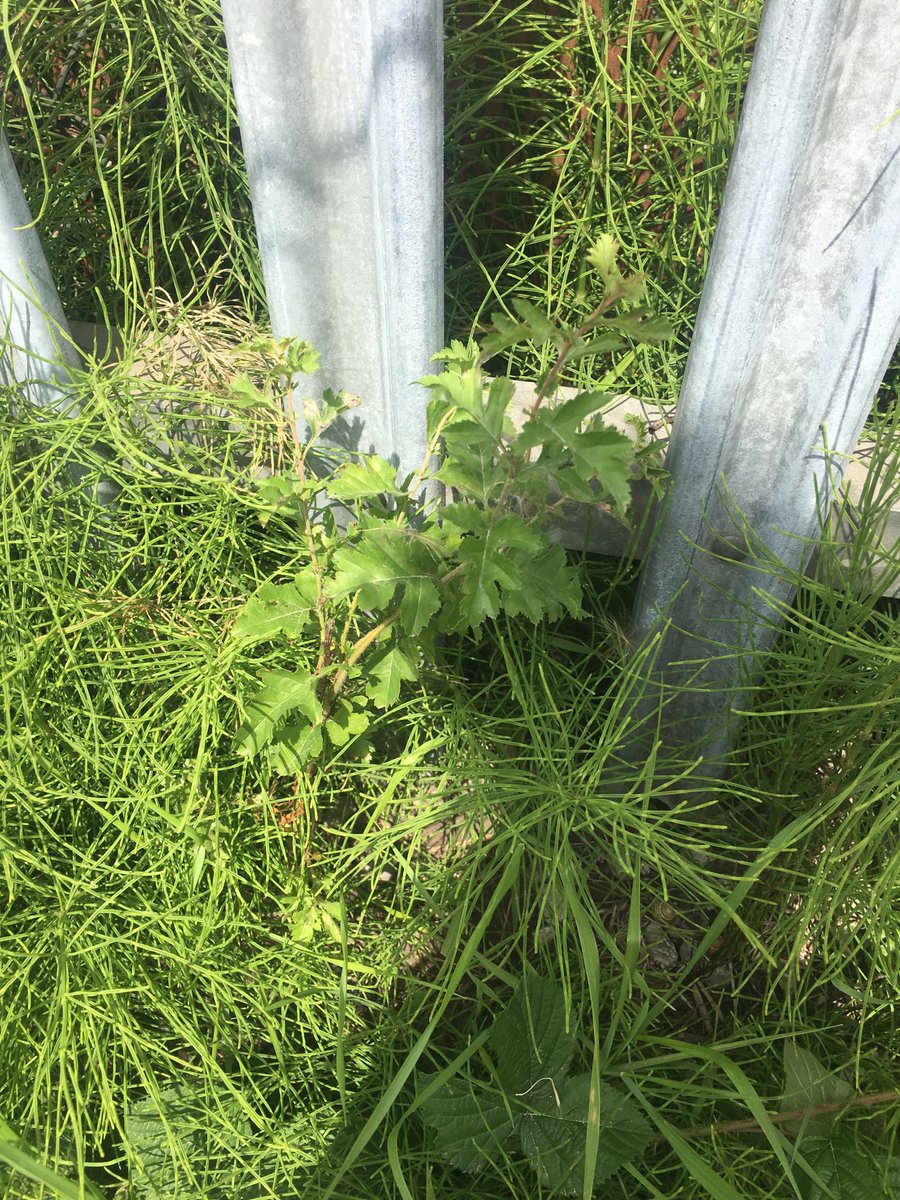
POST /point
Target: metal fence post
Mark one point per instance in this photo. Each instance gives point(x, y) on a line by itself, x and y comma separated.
point(799, 316)
point(340, 106)
point(37, 351)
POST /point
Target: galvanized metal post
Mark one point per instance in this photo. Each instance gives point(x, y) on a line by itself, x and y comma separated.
point(36, 350)
point(799, 317)
point(340, 107)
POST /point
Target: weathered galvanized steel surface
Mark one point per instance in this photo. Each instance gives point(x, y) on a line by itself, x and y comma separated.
point(340, 108)
point(799, 316)
point(38, 349)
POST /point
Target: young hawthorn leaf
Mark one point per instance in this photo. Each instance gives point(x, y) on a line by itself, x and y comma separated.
point(319, 415)
point(603, 257)
point(436, 413)
point(570, 484)
point(465, 389)
point(466, 517)
point(606, 456)
point(345, 722)
point(298, 357)
point(605, 343)
point(294, 745)
point(470, 1124)
point(374, 567)
point(809, 1084)
point(489, 571)
point(542, 328)
point(468, 443)
point(419, 603)
point(475, 470)
point(480, 421)
point(245, 394)
point(547, 586)
point(553, 1136)
point(597, 452)
point(284, 493)
point(845, 1172)
point(506, 332)
point(556, 425)
point(386, 672)
point(283, 692)
point(464, 476)
point(373, 476)
point(277, 609)
point(499, 395)
point(642, 325)
point(458, 354)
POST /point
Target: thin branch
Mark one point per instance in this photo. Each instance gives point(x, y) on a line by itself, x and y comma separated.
point(751, 1125)
point(571, 341)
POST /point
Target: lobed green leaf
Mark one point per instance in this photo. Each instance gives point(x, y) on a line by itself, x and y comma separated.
point(553, 1137)
point(283, 692)
point(277, 610)
point(470, 1124)
point(842, 1172)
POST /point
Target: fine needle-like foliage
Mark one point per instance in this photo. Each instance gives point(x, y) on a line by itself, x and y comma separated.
point(219, 979)
point(322, 876)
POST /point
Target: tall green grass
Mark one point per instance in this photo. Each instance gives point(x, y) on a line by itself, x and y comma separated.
point(121, 120)
point(216, 983)
point(222, 984)
point(560, 120)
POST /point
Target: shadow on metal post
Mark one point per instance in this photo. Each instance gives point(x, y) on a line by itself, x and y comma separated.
point(799, 316)
point(37, 353)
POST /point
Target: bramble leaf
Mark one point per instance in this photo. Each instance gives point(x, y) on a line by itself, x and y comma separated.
point(175, 1129)
point(845, 1172)
point(537, 1099)
point(470, 1125)
point(530, 1038)
point(808, 1084)
point(554, 1135)
point(283, 692)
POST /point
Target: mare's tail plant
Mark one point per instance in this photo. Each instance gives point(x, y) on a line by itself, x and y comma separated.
point(390, 563)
